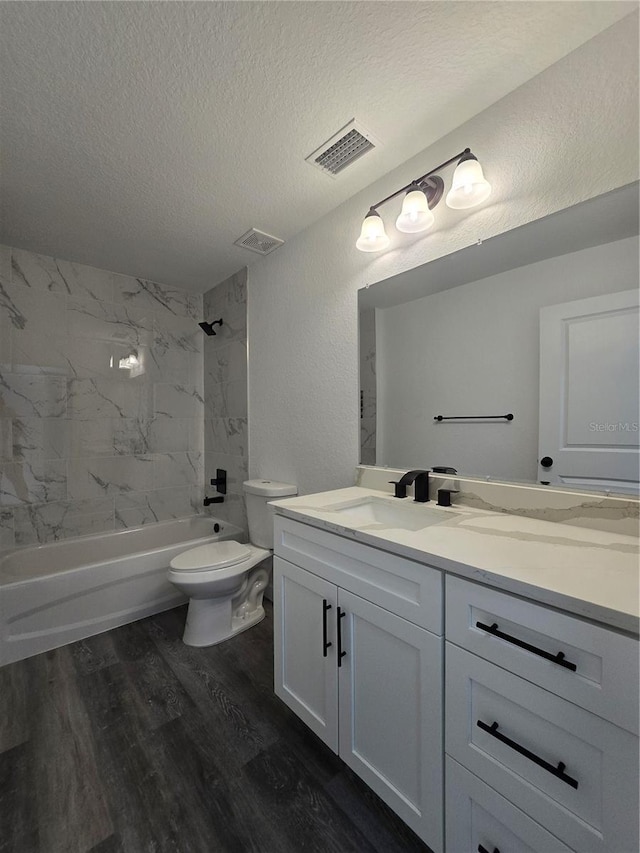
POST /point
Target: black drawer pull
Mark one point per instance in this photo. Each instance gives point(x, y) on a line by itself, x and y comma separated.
point(482, 849)
point(341, 654)
point(558, 771)
point(559, 658)
point(325, 645)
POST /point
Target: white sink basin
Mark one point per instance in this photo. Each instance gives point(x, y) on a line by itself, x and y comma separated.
point(394, 513)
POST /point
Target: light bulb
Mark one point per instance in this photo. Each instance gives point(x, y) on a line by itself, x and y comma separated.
point(415, 215)
point(130, 362)
point(469, 186)
point(373, 237)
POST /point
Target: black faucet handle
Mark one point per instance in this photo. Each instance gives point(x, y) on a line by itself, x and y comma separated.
point(400, 489)
point(444, 496)
point(220, 481)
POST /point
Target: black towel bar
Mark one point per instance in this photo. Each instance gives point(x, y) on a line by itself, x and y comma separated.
point(508, 417)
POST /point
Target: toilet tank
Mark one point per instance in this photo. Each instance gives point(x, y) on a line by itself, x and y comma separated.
point(258, 493)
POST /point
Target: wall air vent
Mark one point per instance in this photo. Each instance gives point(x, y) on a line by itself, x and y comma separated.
point(344, 148)
point(258, 241)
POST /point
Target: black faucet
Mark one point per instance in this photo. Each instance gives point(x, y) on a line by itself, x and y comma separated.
point(420, 479)
point(217, 500)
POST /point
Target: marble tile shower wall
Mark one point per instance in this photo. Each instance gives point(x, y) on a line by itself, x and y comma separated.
point(85, 445)
point(225, 394)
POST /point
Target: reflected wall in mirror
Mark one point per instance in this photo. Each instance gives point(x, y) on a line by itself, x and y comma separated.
point(540, 322)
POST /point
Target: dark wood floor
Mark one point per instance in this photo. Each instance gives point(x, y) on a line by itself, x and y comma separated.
point(132, 741)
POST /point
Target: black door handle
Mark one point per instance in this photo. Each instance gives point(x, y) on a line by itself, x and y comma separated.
point(557, 658)
point(558, 771)
point(325, 609)
point(482, 849)
point(341, 654)
point(546, 462)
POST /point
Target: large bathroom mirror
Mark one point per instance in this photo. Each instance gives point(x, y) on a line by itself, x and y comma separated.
point(515, 359)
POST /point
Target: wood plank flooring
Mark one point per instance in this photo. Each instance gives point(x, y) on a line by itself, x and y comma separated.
point(132, 742)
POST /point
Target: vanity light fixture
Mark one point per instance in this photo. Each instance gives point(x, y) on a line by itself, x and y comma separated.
point(469, 187)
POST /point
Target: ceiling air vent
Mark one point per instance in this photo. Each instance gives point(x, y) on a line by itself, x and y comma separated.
point(258, 241)
point(343, 149)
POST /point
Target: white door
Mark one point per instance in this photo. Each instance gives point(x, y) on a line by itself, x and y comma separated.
point(589, 378)
point(390, 686)
point(306, 675)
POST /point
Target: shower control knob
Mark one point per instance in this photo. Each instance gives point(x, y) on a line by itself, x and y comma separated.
point(546, 462)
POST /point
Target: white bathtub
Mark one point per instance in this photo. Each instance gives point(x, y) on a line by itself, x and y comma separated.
point(51, 595)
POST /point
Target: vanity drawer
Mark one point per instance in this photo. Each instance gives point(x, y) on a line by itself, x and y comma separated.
point(478, 817)
point(402, 586)
point(591, 803)
point(605, 678)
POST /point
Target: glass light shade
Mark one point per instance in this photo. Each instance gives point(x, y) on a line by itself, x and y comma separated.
point(373, 237)
point(130, 362)
point(415, 214)
point(469, 186)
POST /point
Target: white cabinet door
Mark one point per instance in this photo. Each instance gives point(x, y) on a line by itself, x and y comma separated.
point(390, 687)
point(306, 675)
point(589, 381)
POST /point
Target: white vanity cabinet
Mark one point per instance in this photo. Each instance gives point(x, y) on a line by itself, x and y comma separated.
point(540, 727)
point(522, 685)
point(358, 656)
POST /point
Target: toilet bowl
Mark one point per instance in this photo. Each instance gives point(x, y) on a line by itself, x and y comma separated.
point(225, 581)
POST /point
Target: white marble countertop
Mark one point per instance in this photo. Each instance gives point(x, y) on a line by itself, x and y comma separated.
point(591, 573)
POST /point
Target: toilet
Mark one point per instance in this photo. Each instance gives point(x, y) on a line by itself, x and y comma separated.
point(225, 581)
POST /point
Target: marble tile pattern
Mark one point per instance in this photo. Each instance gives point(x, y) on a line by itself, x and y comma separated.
point(225, 394)
point(589, 572)
point(618, 514)
point(85, 445)
point(367, 327)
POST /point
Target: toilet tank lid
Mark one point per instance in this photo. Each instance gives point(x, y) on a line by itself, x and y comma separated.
point(269, 488)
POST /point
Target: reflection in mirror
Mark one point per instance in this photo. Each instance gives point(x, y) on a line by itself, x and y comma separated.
point(540, 322)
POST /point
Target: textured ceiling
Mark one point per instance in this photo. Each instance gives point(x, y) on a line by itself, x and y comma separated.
point(146, 137)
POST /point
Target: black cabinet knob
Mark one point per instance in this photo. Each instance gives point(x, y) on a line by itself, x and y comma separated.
point(546, 462)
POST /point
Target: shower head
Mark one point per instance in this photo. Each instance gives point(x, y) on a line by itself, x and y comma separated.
point(208, 327)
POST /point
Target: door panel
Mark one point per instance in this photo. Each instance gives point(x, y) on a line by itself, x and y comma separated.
point(589, 386)
point(305, 679)
point(391, 712)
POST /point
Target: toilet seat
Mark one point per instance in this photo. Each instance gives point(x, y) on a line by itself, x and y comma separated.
point(211, 557)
